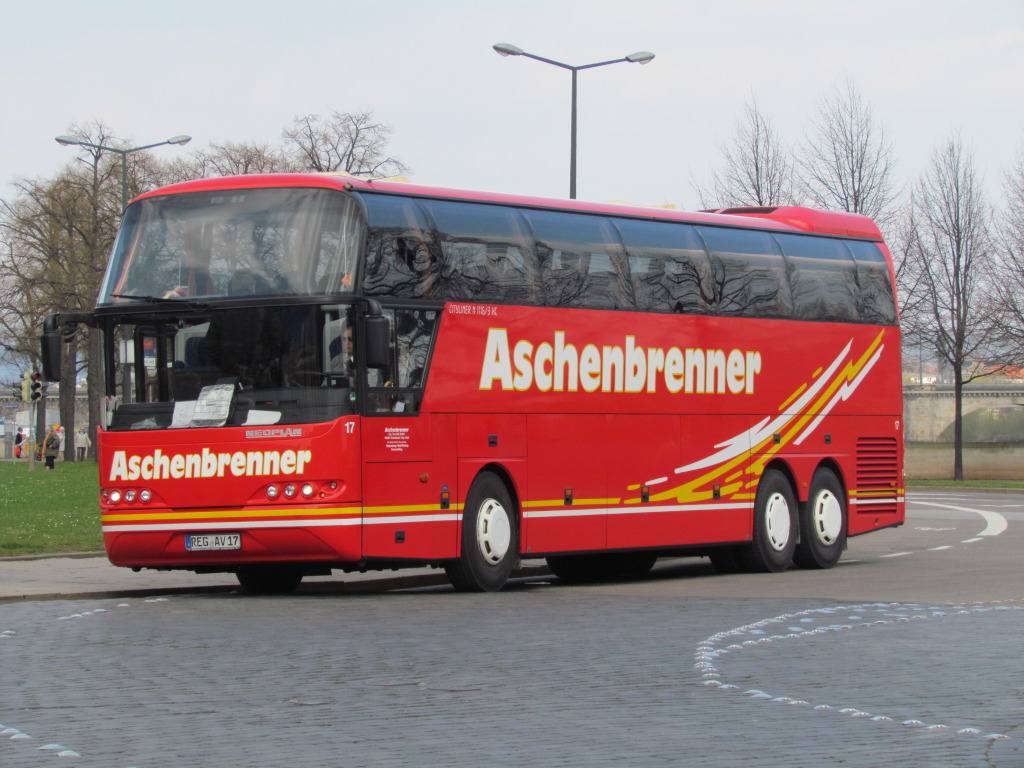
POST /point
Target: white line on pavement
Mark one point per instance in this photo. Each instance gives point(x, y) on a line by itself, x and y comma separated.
point(995, 523)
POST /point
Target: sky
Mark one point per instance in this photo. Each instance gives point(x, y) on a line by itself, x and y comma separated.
point(464, 117)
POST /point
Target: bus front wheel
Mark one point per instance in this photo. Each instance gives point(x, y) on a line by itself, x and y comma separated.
point(775, 526)
point(822, 523)
point(490, 538)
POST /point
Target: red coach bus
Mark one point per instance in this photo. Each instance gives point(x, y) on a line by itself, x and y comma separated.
point(315, 372)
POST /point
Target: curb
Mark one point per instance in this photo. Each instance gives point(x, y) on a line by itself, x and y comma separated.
point(51, 556)
point(367, 582)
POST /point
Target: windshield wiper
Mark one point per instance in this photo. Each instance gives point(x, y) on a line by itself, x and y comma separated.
point(196, 305)
point(150, 299)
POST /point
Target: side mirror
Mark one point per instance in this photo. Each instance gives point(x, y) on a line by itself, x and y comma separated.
point(378, 341)
point(50, 348)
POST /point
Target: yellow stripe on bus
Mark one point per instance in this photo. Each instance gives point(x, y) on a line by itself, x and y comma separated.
point(223, 513)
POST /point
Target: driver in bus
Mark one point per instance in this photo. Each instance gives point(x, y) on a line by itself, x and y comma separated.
point(342, 354)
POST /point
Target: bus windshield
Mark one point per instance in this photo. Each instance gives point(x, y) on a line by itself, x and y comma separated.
point(228, 243)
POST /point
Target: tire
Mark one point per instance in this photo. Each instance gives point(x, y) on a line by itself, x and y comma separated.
point(822, 523)
point(269, 579)
point(490, 538)
point(581, 569)
point(776, 523)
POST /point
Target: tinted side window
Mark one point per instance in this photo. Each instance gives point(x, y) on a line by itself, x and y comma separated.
point(398, 388)
point(877, 303)
point(486, 252)
point(822, 277)
point(581, 260)
point(401, 257)
point(668, 266)
point(749, 273)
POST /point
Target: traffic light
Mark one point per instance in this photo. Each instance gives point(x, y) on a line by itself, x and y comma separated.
point(37, 386)
point(26, 388)
point(16, 390)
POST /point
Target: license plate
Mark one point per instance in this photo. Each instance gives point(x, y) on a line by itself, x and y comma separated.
point(204, 542)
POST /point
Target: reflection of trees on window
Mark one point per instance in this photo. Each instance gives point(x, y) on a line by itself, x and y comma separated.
point(403, 264)
point(749, 273)
point(337, 250)
point(401, 260)
point(564, 276)
point(877, 304)
point(195, 242)
point(450, 250)
point(823, 278)
point(414, 330)
point(486, 252)
point(399, 387)
point(669, 267)
point(582, 262)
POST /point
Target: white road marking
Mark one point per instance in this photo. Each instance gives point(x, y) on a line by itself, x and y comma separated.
point(709, 662)
point(995, 523)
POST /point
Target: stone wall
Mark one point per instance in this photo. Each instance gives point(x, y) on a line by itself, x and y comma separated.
point(982, 461)
point(928, 414)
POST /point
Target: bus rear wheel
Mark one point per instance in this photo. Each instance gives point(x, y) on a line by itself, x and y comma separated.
point(822, 523)
point(490, 538)
point(269, 579)
point(775, 526)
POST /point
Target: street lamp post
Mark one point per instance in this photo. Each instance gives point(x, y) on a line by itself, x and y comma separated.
point(68, 141)
point(640, 57)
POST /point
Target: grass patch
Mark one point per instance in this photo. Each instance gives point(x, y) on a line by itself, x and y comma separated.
point(49, 512)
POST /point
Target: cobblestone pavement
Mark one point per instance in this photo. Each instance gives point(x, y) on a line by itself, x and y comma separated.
point(537, 675)
point(683, 670)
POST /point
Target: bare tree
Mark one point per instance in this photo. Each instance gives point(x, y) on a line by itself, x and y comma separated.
point(758, 167)
point(952, 250)
point(349, 141)
point(1010, 285)
point(847, 163)
point(227, 159)
point(57, 236)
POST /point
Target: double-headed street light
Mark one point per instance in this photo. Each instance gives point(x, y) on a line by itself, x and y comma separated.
point(68, 141)
point(640, 57)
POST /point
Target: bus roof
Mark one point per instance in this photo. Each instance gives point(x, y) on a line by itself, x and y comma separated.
point(785, 218)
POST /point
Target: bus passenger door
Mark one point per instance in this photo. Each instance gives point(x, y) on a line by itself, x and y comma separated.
point(409, 488)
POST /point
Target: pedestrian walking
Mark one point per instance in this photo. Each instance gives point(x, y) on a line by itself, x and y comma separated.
point(51, 447)
point(19, 438)
point(82, 443)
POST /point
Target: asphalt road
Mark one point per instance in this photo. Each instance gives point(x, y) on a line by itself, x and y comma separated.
point(906, 654)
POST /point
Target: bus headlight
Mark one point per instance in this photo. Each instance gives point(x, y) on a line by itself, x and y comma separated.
point(289, 491)
point(308, 490)
point(273, 491)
